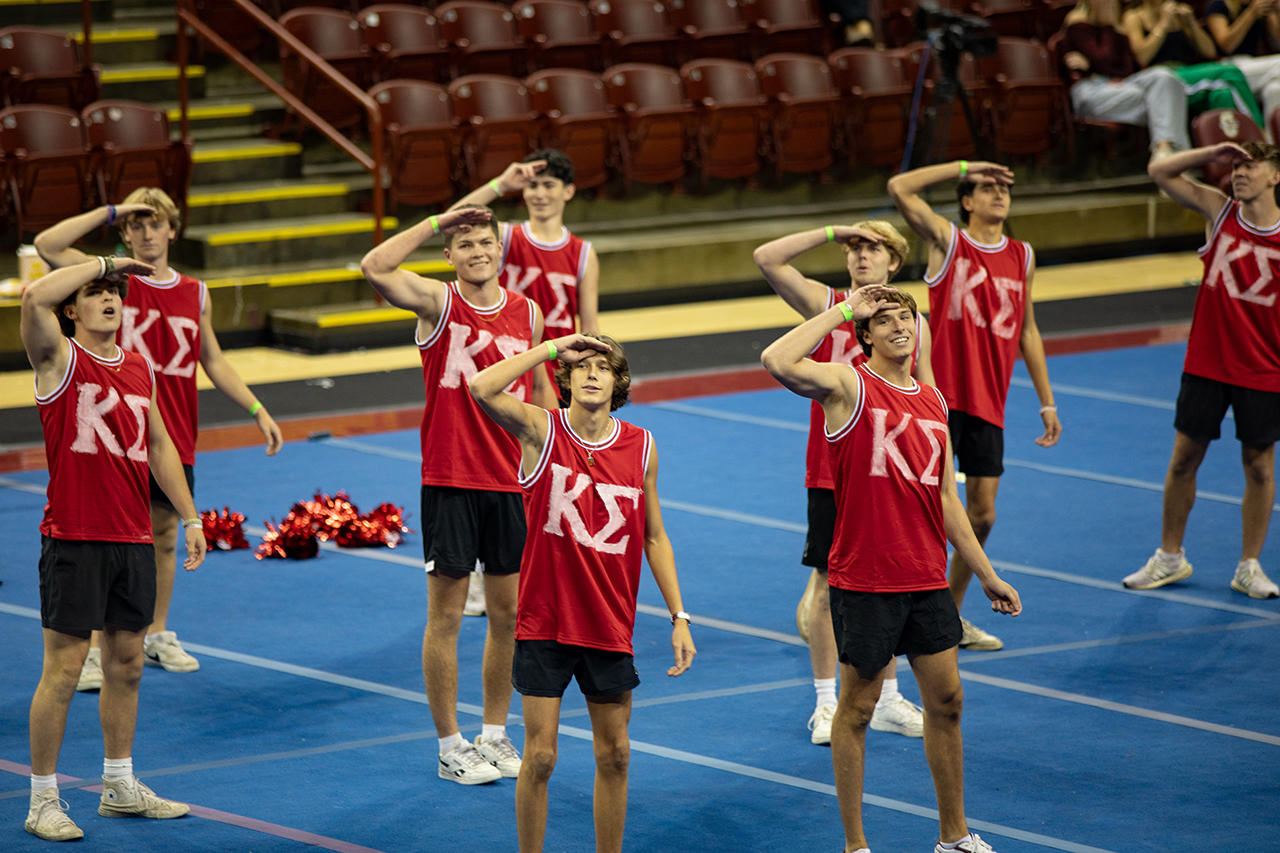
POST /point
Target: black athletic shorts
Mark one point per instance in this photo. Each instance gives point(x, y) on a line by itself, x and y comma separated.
point(85, 586)
point(544, 667)
point(461, 526)
point(872, 628)
point(159, 497)
point(1202, 403)
point(977, 445)
point(822, 529)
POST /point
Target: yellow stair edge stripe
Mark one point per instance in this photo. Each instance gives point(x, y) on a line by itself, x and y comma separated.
point(211, 112)
point(245, 152)
point(40, 2)
point(116, 35)
point(368, 315)
point(145, 75)
point(262, 235)
point(270, 194)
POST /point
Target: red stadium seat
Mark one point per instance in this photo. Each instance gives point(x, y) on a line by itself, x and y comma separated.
point(789, 26)
point(406, 41)
point(1032, 109)
point(482, 37)
point(47, 165)
point(499, 124)
point(804, 100)
point(578, 121)
point(636, 31)
point(731, 113)
point(422, 142)
point(562, 33)
point(656, 120)
point(1217, 126)
point(711, 28)
point(876, 91)
point(131, 149)
point(952, 126)
point(1012, 18)
point(41, 66)
point(337, 38)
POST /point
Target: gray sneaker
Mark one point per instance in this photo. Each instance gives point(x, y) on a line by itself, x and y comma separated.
point(977, 640)
point(465, 765)
point(130, 798)
point(973, 845)
point(91, 672)
point(1157, 572)
point(502, 754)
point(48, 819)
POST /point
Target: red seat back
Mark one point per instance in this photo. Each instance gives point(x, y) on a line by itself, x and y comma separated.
point(731, 112)
point(407, 40)
point(656, 118)
point(877, 92)
point(39, 65)
point(805, 103)
point(1216, 126)
point(421, 141)
point(499, 122)
point(638, 31)
point(711, 28)
point(132, 149)
point(337, 37)
point(483, 37)
point(789, 26)
point(580, 121)
point(47, 164)
point(562, 33)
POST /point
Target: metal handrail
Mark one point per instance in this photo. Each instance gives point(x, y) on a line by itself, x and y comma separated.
point(374, 165)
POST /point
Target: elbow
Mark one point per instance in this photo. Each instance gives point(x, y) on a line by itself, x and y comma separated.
point(773, 361)
point(761, 257)
point(895, 188)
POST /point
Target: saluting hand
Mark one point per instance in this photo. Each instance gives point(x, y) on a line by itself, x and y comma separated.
point(517, 176)
point(866, 301)
point(572, 349)
point(983, 172)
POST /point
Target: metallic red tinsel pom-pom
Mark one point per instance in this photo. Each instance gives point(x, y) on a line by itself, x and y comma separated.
point(295, 538)
point(224, 531)
point(382, 526)
point(323, 518)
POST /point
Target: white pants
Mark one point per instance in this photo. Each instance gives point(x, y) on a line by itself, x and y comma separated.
point(1154, 97)
point(1263, 75)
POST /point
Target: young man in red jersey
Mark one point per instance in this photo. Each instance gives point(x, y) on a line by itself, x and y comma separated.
point(874, 252)
point(1233, 354)
point(543, 260)
point(168, 317)
point(896, 508)
point(470, 498)
point(102, 433)
point(982, 319)
point(591, 499)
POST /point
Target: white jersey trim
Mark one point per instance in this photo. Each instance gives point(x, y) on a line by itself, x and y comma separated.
point(946, 263)
point(853, 418)
point(1217, 226)
point(582, 442)
point(543, 458)
point(582, 261)
point(441, 321)
point(62, 383)
point(549, 247)
point(989, 248)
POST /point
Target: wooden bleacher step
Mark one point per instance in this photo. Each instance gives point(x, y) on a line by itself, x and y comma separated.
point(221, 204)
point(117, 43)
point(277, 241)
point(240, 160)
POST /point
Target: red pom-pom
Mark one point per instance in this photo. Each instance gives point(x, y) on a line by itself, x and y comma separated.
point(323, 518)
point(224, 532)
point(294, 539)
point(329, 514)
point(383, 526)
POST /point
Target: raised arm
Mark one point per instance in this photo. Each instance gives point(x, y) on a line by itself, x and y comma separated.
point(1229, 35)
point(589, 295)
point(1145, 45)
point(513, 179)
point(955, 521)
point(55, 242)
point(403, 289)
point(905, 189)
point(1032, 346)
point(227, 380)
point(543, 394)
point(166, 467)
point(806, 297)
point(662, 562)
point(1205, 200)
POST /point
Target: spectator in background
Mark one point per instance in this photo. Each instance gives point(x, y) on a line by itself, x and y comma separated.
point(1108, 84)
point(1246, 35)
point(855, 21)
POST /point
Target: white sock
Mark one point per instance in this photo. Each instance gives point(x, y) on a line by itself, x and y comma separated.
point(450, 742)
point(888, 692)
point(492, 733)
point(1170, 560)
point(826, 690)
point(952, 845)
point(115, 769)
point(44, 783)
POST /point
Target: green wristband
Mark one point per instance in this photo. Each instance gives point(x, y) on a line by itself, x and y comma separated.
point(496, 187)
point(551, 350)
point(192, 523)
point(964, 169)
point(253, 410)
point(831, 234)
point(435, 223)
point(846, 311)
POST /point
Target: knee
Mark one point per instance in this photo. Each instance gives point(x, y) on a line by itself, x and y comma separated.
point(1260, 470)
point(126, 672)
point(982, 519)
point(164, 532)
point(501, 616)
point(613, 758)
point(947, 707)
point(822, 598)
point(538, 763)
point(1182, 464)
point(853, 718)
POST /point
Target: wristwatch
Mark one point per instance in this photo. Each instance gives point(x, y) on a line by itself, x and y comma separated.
point(681, 615)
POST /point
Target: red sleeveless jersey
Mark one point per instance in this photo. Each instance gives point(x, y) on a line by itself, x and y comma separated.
point(976, 306)
point(888, 461)
point(96, 440)
point(584, 504)
point(463, 447)
point(547, 273)
point(840, 347)
point(161, 321)
point(1235, 331)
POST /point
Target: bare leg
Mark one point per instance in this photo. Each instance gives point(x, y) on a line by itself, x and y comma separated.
point(164, 529)
point(822, 638)
point(1259, 497)
point(858, 695)
point(609, 718)
point(445, 598)
point(63, 657)
point(118, 701)
point(943, 698)
point(541, 721)
point(499, 645)
point(1180, 490)
point(980, 505)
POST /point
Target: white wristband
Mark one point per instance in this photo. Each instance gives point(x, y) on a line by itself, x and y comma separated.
point(1044, 409)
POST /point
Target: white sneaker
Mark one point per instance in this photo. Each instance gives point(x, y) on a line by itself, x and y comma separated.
point(91, 672)
point(900, 717)
point(47, 817)
point(1251, 580)
point(465, 765)
point(166, 651)
point(806, 601)
point(820, 724)
point(975, 639)
point(130, 798)
point(1157, 572)
point(502, 754)
point(475, 596)
point(974, 844)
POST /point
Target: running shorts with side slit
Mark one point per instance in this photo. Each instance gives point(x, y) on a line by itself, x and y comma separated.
point(87, 586)
point(872, 628)
point(544, 668)
point(822, 529)
point(1202, 404)
point(461, 526)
